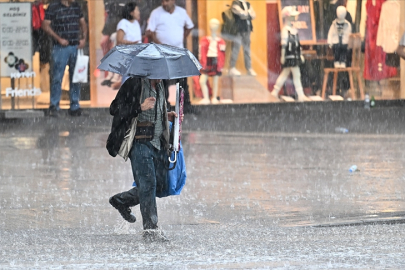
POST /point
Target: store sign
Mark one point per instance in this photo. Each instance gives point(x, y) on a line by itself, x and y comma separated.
point(305, 20)
point(17, 75)
point(15, 38)
point(23, 92)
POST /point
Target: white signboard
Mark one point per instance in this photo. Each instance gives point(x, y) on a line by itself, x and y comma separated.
point(15, 38)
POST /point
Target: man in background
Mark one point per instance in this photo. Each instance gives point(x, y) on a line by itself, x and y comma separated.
point(65, 23)
point(170, 24)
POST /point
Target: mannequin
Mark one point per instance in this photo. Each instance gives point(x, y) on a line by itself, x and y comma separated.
point(291, 56)
point(338, 37)
point(212, 59)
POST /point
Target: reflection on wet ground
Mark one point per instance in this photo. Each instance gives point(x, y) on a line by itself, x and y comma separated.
point(252, 200)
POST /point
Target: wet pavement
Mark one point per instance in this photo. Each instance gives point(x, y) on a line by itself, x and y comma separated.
point(268, 187)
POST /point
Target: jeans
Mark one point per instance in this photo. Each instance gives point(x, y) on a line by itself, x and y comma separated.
point(150, 175)
point(244, 40)
point(62, 56)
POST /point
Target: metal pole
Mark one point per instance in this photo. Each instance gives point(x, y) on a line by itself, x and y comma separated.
point(13, 96)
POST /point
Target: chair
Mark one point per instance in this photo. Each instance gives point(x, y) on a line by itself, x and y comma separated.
point(355, 45)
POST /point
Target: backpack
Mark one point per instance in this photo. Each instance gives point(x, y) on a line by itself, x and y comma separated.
point(228, 27)
point(38, 15)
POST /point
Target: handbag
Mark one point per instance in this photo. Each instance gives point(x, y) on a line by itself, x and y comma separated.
point(81, 68)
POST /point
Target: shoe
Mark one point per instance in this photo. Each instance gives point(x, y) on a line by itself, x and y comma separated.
point(116, 85)
point(154, 235)
point(234, 72)
point(274, 94)
point(53, 111)
point(251, 72)
point(77, 112)
point(106, 82)
point(125, 211)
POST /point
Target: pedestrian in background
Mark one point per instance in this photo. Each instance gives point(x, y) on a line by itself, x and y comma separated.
point(170, 24)
point(65, 23)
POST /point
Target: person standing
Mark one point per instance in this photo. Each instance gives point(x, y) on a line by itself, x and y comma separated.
point(243, 14)
point(65, 23)
point(144, 100)
point(170, 24)
point(128, 28)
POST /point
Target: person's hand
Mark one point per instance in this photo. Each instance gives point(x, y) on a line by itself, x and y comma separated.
point(171, 115)
point(282, 60)
point(63, 42)
point(82, 42)
point(149, 103)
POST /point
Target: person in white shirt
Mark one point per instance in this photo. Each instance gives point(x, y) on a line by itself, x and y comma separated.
point(169, 24)
point(128, 29)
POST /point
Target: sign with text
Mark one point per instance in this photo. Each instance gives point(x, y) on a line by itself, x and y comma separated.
point(304, 22)
point(15, 38)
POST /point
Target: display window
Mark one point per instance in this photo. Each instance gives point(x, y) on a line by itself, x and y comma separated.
point(251, 51)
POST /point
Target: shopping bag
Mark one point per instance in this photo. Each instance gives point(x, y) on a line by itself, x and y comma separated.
point(81, 68)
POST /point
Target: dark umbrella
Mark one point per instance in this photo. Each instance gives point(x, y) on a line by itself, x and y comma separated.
point(153, 61)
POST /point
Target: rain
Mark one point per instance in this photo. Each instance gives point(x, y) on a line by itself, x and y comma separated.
point(309, 175)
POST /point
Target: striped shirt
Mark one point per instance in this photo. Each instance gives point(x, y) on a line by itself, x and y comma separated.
point(149, 115)
point(65, 21)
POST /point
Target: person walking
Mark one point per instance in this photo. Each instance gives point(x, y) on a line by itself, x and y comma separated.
point(65, 23)
point(144, 100)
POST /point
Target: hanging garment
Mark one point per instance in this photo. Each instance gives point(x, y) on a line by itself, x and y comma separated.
point(388, 26)
point(375, 68)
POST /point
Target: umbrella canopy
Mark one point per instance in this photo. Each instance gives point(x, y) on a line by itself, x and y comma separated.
point(153, 61)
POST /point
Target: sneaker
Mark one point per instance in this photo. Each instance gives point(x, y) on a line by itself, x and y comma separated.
point(251, 72)
point(53, 111)
point(234, 72)
point(77, 112)
point(124, 210)
point(106, 82)
point(154, 235)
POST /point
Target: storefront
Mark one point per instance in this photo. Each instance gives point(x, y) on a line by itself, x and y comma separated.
point(29, 87)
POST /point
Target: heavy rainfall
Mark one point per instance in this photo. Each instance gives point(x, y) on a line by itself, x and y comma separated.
point(278, 164)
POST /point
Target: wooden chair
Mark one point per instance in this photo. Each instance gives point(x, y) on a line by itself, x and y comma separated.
point(355, 45)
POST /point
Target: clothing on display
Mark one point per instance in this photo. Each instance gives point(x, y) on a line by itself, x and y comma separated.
point(375, 68)
point(292, 48)
point(388, 26)
point(212, 59)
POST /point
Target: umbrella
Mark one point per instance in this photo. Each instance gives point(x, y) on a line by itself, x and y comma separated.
point(150, 60)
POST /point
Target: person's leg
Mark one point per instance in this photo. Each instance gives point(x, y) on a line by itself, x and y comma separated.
point(280, 81)
point(204, 89)
point(122, 201)
point(74, 91)
point(60, 56)
point(296, 73)
point(235, 50)
point(143, 168)
point(246, 50)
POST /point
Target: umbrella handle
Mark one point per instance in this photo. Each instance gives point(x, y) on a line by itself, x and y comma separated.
point(175, 158)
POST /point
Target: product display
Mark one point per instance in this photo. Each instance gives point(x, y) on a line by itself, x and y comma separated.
point(212, 59)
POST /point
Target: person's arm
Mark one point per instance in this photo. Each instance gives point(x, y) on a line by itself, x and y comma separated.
point(121, 40)
point(83, 28)
point(188, 25)
point(251, 12)
point(186, 32)
point(46, 26)
point(152, 36)
point(401, 51)
point(237, 10)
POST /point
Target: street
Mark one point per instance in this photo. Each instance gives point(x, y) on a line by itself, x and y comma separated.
point(276, 197)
